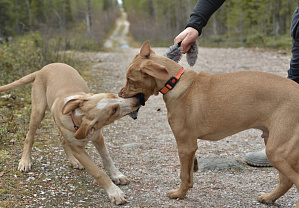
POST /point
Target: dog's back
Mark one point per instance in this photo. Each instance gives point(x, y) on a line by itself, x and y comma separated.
point(57, 76)
point(62, 77)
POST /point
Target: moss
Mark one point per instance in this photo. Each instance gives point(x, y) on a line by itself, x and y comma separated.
point(3, 191)
point(4, 155)
point(38, 144)
point(25, 192)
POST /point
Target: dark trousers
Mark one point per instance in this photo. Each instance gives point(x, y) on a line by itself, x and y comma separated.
point(293, 72)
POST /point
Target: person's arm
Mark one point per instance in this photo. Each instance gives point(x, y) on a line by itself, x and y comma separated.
point(198, 19)
point(202, 13)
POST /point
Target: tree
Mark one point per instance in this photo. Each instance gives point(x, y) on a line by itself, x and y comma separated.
point(7, 18)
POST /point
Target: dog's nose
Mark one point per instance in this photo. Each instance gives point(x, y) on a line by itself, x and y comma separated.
point(121, 92)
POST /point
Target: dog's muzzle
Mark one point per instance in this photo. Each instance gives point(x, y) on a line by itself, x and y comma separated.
point(140, 101)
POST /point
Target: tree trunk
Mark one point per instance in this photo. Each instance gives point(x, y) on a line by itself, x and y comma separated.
point(88, 17)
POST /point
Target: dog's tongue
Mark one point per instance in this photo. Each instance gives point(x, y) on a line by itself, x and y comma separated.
point(134, 114)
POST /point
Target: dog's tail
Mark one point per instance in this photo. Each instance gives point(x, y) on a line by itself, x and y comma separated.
point(23, 81)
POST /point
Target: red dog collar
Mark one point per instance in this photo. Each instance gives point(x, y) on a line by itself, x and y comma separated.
point(75, 126)
point(172, 82)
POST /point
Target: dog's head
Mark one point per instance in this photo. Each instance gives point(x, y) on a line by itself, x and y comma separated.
point(145, 75)
point(96, 111)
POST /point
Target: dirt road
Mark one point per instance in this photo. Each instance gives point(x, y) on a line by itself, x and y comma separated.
point(119, 37)
point(145, 149)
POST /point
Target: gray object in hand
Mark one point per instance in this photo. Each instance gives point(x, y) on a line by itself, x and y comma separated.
point(174, 53)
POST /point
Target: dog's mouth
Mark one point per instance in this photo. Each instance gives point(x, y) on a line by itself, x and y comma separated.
point(140, 101)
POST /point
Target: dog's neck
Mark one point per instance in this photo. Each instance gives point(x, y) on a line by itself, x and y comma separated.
point(75, 125)
point(171, 83)
point(181, 87)
point(76, 118)
point(173, 69)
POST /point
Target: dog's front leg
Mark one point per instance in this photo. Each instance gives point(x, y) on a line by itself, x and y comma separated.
point(116, 175)
point(186, 149)
point(114, 193)
point(73, 161)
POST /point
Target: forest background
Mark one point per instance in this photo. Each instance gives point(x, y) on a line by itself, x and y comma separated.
point(84, 24)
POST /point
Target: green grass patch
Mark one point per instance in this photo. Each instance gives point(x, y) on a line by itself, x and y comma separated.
point(4, 155)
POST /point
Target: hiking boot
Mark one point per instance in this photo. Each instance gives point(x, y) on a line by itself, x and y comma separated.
point(257, 159)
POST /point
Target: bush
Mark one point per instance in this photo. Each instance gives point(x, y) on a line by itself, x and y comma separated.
point(17, 59)
point(284, 41)
point(255, 40)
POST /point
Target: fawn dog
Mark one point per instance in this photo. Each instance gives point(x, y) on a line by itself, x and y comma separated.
point(213, 106)
point(79, 116)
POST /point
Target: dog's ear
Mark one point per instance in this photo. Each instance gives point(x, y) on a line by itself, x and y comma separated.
point(145, 50)
point(85, 129)
point(72, 104)
point(155, 70)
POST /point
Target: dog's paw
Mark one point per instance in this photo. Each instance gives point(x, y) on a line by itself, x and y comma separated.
point(120, 179)
point(175, 193)
point(265, 198)
point(76, 164)
point(24, 165)
point(116, 195)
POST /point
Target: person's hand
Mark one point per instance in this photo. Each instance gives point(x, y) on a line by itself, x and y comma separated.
point(187, 36)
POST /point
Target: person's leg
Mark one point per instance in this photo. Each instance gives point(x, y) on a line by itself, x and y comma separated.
point(293, 72)
point(259, 159)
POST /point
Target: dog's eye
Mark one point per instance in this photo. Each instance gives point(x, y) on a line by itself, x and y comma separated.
point(130, 81)
point(114, 110)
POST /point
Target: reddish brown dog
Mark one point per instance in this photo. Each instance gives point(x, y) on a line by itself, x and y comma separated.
point(211, 107)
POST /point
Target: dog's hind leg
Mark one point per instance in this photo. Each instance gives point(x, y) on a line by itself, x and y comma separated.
point(284, 185)
point(284, 158)
point(116, 176)
point(39, 104)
